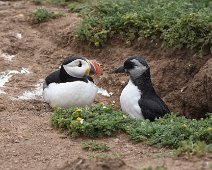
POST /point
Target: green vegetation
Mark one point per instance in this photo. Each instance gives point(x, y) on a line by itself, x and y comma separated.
point(63, 2)
point(179, 24)
point(90, 122)
point(37, 2)
point(170, 131)
point(190, 148)
point(176, 23)
point(175, 132)
point(58, 2)
point(42, 14)
point(156, 168)
point(106, 156)
point(95, 146)
point(81, 8)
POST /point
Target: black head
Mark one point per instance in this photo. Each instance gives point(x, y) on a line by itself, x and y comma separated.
point(135, 66)
point(72, 58)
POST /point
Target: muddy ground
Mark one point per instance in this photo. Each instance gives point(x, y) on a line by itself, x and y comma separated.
point(32, 51)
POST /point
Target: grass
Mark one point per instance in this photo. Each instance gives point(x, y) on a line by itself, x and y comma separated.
point(95, 146)
point(42, 15)
point(171, 131)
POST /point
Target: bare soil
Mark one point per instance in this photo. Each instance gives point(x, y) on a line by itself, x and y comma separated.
point(27, 140)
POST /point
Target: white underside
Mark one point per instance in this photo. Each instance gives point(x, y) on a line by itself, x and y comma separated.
point(129, 100)
point(70, 94)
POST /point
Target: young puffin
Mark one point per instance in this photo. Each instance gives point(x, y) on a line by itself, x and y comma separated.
point(138, 98)
point(72, 85)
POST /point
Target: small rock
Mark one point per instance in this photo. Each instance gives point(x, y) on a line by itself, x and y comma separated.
point(63, 137)
point(116, 140)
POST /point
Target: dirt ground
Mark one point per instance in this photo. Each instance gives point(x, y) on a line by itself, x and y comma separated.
point(32, 51)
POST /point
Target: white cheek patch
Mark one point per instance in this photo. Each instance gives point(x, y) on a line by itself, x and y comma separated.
point(138, 70)
point(74, 70)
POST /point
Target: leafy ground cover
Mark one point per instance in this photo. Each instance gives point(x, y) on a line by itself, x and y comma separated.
point(172, 131)
point(156, 168)
point(95, 146)
point(27, 140)
point(181, 24)
point(176, 23)
point(42, 14)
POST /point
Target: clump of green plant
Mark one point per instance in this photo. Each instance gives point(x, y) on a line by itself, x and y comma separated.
point(156, 168)
point(182, 24)
point(100, 120)
point(37, 2)
point(195, 32)
point(190, 148)
point(106, 156)
point(90, 122)
point(170, 131)
point(95, 146)
point(81, 8)
point(42, 14)
point(59, 2)
point(64, 2)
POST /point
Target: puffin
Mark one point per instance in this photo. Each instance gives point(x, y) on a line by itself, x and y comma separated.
point(139, 99)
point(72, 85)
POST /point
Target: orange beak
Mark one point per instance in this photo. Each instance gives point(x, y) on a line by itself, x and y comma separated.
point(95, 68)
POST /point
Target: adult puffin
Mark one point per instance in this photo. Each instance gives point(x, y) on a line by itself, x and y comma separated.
point(138, 98)
point(72, 85)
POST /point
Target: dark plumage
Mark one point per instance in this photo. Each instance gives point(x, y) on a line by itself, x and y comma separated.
point(139, 98)
point(61, 76)
point(71, 85)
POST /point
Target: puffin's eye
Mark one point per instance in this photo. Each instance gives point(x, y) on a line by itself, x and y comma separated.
point(129, 66)
point(80, 64)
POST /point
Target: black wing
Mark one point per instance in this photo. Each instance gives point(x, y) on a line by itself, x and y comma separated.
point(52, 78)
point(55, 78)
point(152, 107)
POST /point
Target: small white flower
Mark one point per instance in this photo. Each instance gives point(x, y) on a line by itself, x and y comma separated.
point(81, 121)
point(124, 116)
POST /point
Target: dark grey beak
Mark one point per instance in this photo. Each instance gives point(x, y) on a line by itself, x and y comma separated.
point(93, 71)
point(120, 70)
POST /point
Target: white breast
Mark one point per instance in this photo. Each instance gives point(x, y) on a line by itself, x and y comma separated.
point(70, 94)
point(129, 100)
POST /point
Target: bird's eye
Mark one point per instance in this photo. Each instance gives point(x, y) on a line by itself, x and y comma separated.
point(80, 64)
point(129, 65)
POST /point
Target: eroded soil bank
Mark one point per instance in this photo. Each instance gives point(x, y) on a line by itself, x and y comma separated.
point(29, 52)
